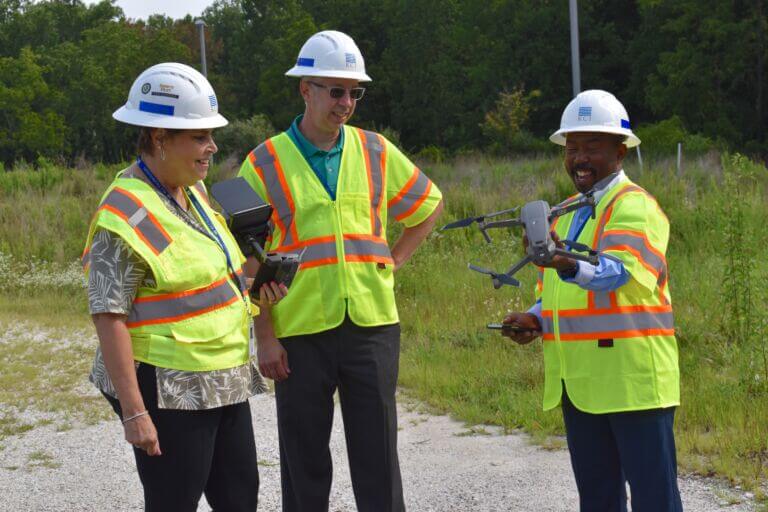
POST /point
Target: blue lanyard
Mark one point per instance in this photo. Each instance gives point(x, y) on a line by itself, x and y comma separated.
point(196, 204)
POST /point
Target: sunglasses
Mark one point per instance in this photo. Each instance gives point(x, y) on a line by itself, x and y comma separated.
point(336, 93)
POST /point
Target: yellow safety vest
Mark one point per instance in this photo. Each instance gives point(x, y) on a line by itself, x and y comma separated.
point(615, 351)
point(195, 318)
point(346, 264)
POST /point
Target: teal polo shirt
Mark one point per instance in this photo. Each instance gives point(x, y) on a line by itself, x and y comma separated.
point(325, 164)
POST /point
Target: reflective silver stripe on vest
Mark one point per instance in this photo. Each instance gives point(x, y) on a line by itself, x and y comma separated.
point(636, 242)
point(616, 323)
point(138, 218)
point(413, 194)
point(375, 156)
point(547, 325)
point(264, 160)
point(318, 252)
point(157, 310)
point(361, 247)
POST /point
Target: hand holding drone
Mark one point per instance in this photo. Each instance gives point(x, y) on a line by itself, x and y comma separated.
point(536, 217)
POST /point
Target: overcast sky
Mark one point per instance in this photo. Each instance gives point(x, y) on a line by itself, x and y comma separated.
point(173, 8)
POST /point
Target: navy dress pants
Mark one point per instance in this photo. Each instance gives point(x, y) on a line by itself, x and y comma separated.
point(608, 450)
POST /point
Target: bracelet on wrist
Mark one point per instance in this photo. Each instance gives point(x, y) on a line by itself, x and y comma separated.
point(137, 415)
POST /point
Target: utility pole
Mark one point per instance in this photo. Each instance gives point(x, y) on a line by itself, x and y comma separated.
point(201, 29)
point(575, 66)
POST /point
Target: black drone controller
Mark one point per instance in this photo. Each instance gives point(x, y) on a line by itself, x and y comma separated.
point(248, 217)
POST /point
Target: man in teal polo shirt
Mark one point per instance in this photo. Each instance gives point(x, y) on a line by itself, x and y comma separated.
point(352, 344)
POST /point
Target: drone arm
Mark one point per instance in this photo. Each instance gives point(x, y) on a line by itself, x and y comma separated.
point(590, 258)
point(517, 266)
point(507, 223)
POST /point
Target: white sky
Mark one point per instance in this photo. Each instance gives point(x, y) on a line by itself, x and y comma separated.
point(174, 8)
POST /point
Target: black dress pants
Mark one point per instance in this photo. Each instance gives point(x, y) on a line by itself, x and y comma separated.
point(362, 363)
point(210, 451)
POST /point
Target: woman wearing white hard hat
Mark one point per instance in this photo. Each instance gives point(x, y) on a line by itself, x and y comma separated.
point(168, 298)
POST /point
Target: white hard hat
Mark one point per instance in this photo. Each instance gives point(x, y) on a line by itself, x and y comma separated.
point(330, 54)
point(595, 111)
point(171, 95)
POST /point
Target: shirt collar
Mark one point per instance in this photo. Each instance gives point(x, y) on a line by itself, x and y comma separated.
point(309, 148)
point(603, 186)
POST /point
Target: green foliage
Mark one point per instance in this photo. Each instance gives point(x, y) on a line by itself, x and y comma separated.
point(241, 136)
point(28, 126)
point(700, 62)
point(663, 137)
point(430, 154)
point(504, 126)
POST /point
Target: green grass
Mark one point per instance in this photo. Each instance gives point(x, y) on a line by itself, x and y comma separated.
point(718, 282)
point(46, 353)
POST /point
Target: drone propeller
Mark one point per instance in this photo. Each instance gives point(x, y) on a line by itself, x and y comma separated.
point(498, 279)
point(461, 223)
point(479, 219)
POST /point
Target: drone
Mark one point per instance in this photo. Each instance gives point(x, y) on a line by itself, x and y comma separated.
point(536, 217)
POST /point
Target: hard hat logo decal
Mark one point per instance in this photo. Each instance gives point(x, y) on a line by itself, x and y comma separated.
point(166, 88)
point(625, 123)
point(351, 61)
point(585, 113)
point(309, 63)
point(213, 102)
point(156, 108)
point(146, 88)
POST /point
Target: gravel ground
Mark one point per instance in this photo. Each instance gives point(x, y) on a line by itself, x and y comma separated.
point(446, 467)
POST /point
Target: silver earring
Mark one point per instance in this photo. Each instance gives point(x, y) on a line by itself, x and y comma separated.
point(162, 153)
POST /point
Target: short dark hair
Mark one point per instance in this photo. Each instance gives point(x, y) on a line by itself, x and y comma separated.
point(144, 144)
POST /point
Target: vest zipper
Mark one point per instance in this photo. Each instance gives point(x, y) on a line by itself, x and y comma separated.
point(340, 251)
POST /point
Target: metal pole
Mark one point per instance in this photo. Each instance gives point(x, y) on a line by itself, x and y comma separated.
point(201, 29)
point(679, 158)
point(575, 66)
point(639, 158)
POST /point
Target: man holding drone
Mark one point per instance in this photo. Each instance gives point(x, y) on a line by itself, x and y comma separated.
point(610, 352)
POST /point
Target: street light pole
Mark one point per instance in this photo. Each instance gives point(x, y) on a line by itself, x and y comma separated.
point(201, 29)
point(575, 66)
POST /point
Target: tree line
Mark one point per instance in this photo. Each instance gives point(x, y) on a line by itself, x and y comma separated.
point(450, 74)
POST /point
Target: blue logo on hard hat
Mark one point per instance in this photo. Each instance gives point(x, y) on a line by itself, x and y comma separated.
point(156, 108)
point(351, 60)
point(213, 102)
point(625, 123)
point(308, 63)
point(585, 113)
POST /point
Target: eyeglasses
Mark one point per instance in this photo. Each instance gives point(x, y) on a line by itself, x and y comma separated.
point(355, 93)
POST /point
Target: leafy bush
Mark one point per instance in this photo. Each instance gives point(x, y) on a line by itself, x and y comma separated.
point(241, 136)
point(430, 154)
point(662, 137)
point(504, 125)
